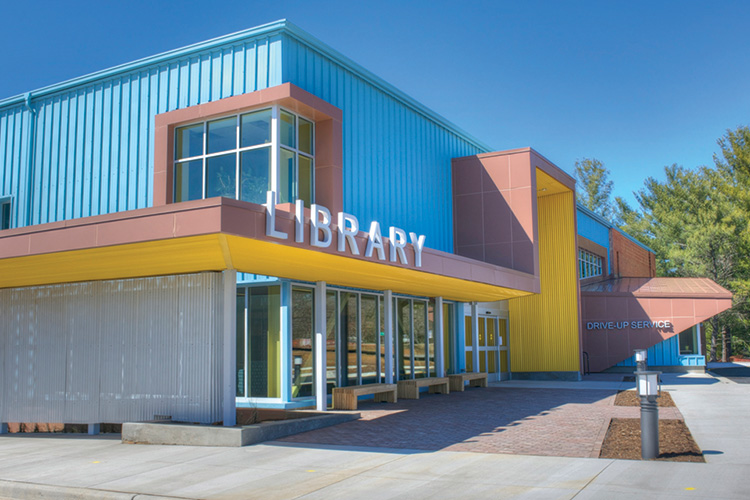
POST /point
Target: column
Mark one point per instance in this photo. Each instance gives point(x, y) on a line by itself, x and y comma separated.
point(286, 341)
point(388, 319)
point(229, 372)
point(321, 396)
point(474, 337)
point(439, 358)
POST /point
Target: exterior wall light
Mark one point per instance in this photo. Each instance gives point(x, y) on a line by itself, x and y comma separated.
point(648, 390)
point(641, 359)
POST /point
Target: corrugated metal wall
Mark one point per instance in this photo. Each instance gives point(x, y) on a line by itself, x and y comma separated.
point(593, 230)
point(397, 160)
point(544, 327)
point(666, 353)
point(113, 351)
point(93, 143)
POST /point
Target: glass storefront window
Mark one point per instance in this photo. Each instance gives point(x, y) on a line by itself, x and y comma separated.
point(303, 336)
point(421, 352)
point(332, 328)
point(369, 343)
point(348, 334)
point(689, 341)
point(258, 342)
point(355, 340)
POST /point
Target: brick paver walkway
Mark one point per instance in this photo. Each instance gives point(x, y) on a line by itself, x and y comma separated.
point(552, 422)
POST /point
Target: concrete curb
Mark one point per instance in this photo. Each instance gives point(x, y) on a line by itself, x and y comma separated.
point(204, 435)
point(23, 491)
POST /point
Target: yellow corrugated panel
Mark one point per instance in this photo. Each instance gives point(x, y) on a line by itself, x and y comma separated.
point(544, 327)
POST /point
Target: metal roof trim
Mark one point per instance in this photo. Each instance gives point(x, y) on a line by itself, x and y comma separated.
point(378, 82)
point(280, 26)
point(262, 30)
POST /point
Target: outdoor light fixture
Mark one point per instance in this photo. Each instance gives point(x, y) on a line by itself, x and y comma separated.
point(647, 383)
point(641, 359)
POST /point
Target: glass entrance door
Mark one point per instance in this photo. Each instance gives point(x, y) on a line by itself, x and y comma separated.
point(492, 360)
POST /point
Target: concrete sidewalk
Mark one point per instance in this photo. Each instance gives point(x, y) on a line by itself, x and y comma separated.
point(64, 466)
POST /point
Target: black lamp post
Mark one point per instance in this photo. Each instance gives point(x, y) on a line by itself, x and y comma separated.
point(648, 390)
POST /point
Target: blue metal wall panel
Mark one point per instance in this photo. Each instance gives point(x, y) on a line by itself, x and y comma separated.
point(397, 158)
point(665, 353)
point(93, 138)
point(93, 143)
point(593, 230)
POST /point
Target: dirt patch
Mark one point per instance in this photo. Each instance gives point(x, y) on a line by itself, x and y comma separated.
point(28, 428)
point(630, 398)
point(676, 444)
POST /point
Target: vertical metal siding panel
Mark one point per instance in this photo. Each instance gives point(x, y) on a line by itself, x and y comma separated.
point(227, 72)
point(114, 166)
point(141, 165)
point(154, 95)
point(70, 159)
point(41, 187)
point(544, 327)
point(261, 62)
point(96, 152)
point(215, 76)
point(174, 81)
point(195, 81)
point(205, 88)
point(62, 159)
point(133, 122)
point(251, 73)
point(80, 137)
point(274, 61)
point(184, 85)
point(163, 89)
point(238, 70)
point(124, 145)
point(86, 167)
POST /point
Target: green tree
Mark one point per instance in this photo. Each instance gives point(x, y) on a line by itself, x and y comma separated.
point(594, 187)
point(697, 223)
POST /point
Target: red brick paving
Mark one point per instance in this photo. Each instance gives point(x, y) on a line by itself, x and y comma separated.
point(552, 422)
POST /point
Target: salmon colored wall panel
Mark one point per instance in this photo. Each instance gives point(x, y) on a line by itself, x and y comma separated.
point(544, 328)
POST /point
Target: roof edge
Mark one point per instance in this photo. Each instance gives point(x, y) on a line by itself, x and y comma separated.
point(305, 37)
point(264, 29)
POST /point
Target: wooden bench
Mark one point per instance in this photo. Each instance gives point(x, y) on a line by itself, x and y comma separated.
point(409, 389)
point(475, 380)
point(345, 398)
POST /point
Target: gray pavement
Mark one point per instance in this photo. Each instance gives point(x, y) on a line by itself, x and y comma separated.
point(73, 466)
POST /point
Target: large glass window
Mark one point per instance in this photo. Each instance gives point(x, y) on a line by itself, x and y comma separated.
point(689, 341)
point(258, 342)
point(237, 157)
point(589, 264)
point(303, 336)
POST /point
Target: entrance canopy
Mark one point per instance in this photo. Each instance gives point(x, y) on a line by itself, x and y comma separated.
point(217, 234)
point(620, 315)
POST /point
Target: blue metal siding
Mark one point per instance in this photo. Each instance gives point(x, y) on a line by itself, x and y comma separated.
point(14, 133)
point(397, 158)
point(93, 143)
point(93, 136)
point(667, 353)
point(593, 230)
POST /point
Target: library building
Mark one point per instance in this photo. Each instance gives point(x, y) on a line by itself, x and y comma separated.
point(256, 221)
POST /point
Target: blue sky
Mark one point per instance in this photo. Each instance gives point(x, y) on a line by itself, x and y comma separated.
point(638, 85)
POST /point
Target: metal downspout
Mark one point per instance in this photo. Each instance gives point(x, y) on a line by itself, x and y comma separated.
point(30, 156)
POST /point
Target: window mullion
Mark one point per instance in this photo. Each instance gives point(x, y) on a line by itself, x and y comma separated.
point(237, 160)
point(205, 162)
point(275, 152)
